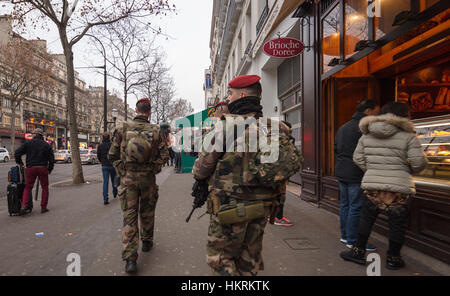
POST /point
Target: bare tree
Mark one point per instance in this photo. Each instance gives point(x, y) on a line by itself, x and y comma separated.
point(180, 108)
point(25, 67)
point(157, 81)
point(76, 18)
point(126, 49)
point(159, 87)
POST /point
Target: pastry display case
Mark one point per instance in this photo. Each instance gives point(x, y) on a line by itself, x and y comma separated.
point(434, 135)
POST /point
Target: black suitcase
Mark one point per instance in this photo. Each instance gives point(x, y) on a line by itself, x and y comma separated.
point(15, 194)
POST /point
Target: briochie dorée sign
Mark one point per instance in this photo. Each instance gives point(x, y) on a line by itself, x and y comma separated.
point(283, 47)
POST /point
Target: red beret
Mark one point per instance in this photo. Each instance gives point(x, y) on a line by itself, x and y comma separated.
point(221, 103)
point(243, 81)
point(144, 99)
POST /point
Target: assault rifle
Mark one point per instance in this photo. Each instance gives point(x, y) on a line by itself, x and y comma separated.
point(200, 192)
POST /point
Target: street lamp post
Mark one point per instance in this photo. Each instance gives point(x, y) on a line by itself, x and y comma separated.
point(114, 115)
point(105, 91)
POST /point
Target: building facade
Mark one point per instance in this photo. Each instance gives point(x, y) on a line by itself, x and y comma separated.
point(354, 49)
point(46, 107)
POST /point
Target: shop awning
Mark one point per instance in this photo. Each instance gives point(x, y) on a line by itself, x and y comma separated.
point(194, 120)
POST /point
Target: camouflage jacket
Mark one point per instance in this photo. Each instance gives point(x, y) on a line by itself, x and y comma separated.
point(227, 172)
point(125, 156)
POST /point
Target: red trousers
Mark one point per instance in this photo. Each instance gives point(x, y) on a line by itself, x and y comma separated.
point(30, 178)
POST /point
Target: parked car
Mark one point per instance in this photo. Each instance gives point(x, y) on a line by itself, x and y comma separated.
point(4, 155)
point(63, 155)
point(88, 156)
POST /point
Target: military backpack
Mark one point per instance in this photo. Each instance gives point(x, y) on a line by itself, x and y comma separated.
point(248, 175)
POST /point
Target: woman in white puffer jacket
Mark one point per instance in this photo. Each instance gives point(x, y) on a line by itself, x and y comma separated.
point(388, 152)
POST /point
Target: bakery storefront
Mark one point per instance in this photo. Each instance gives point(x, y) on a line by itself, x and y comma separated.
point(385, 50)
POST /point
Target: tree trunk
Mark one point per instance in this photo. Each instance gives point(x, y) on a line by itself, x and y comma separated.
point(77, 170)
point(13, 127)
point(125, 97)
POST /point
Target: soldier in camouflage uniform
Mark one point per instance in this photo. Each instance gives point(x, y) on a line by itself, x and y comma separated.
point(236, 249)
point(138, 151)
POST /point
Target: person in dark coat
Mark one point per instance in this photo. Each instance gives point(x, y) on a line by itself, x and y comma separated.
point(349, 174)
point(40, 162)
point(107, 167)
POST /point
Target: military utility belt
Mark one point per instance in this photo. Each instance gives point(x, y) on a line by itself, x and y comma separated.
point(139, 167)
point(238, 211)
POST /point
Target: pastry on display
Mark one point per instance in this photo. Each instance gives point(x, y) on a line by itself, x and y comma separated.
point(421, 101)
point(440, 133)
point(441, 96)
point(403, 97)
point(447, 101)
point(443, 153)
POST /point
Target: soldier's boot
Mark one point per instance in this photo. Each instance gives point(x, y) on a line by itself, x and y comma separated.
point(131, 266)
point(147, 246)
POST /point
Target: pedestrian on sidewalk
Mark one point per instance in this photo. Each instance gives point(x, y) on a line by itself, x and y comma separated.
point(39, 163)
point(280, 219)
point(388, 152)
point(349, 174)
point(138, 152)
point(108, 170)
point(235, 241)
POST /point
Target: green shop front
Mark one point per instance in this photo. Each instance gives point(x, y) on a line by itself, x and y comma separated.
point(190, 126)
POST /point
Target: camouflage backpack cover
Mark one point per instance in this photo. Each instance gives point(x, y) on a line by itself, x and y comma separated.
point(137, 147)
point(243, 174)
point(277, 172)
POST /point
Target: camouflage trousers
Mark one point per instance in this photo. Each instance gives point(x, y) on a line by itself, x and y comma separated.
point(138, 194)
point(236, 249)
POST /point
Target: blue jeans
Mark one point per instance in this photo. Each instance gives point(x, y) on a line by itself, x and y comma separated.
point(350, 211)
point(107, 172)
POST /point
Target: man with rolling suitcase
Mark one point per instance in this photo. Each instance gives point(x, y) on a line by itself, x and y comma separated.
point(16, 186)
point(39, 163)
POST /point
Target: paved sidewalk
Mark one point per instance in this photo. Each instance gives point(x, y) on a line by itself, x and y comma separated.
point(79, 222)
point(310, 247)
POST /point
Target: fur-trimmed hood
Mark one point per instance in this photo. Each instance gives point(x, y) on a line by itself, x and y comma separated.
point(385, 126)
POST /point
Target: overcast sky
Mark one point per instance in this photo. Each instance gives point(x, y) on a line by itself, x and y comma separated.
point(187, 50)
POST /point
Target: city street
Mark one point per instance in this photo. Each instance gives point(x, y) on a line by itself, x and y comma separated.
point(61, 172)
point(78, 222)
point(345, 103)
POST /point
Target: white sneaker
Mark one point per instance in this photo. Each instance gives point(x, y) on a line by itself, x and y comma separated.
point(349, 246)
point(344, 241)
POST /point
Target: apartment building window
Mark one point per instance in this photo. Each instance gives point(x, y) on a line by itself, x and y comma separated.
point(6, 103)
point(6, 119)
point(263, 7)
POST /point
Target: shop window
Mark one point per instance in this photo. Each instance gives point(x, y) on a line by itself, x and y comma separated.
point(427, 91)
point(356, 25)
point(294, 118)
point(385, 12)
point(288, 102)
point(289, 75)
point(331, 45)
point(425, 4)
